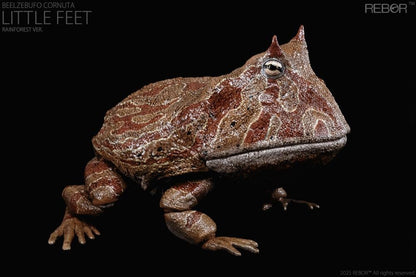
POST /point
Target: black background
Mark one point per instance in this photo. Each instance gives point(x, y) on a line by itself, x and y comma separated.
point(58, 84)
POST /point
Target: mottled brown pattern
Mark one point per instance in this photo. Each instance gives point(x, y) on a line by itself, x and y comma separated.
point(103, 184)
point(197, 189)
point(192, 218)
point(188, 187)
point(77, 202)
point(162, 137)
point(321, 129)
point(169, 127)
point(191, 226)
point(72, 204)
point(258, 129)
point(95, 166)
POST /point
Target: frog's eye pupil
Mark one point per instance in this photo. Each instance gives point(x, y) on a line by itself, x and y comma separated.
point(273, 68)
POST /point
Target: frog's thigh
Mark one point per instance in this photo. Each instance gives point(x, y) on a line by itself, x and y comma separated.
point(103, 184)
point(189, 225)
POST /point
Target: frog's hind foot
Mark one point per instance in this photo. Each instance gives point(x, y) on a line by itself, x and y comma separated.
point(280, 195)
point(196, 227)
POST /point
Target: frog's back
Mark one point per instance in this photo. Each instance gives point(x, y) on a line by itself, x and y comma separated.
point(154, 131)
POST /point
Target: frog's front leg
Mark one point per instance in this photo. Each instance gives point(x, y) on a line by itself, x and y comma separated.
point(102, 188)
point(280, 195)
point(196, 227)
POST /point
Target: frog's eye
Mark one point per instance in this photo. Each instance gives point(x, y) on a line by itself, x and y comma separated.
point(273, 68)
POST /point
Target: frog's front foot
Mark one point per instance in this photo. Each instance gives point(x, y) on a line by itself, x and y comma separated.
point(230, 243)
point(279, 195)
point(70, 227)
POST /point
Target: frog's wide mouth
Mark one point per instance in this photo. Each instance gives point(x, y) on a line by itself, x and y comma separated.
point(277, 156)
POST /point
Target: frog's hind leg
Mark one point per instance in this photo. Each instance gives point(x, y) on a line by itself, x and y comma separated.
point(196, 227)
point(103, 186)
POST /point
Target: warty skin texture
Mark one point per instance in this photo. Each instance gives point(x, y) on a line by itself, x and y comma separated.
point(270, 112)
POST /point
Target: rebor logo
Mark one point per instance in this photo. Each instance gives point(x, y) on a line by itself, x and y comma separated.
point(386, 8)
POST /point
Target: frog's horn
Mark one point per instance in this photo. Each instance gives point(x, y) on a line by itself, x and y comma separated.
point(300, 36)
point(274, 48)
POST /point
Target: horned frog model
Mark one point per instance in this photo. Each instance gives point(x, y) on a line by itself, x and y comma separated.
point(272, 111)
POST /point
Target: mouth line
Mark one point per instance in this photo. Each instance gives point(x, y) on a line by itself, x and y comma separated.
point(274, 156)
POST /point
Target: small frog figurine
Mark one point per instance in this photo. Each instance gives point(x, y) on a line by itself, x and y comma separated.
point(272, 112)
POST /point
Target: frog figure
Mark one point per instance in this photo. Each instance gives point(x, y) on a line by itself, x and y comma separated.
point(272, 112)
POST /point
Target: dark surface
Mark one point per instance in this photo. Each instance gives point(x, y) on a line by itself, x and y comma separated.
point(58, 85)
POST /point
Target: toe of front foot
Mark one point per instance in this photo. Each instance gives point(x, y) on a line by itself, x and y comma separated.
point(71, 227)
point(230, 244)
